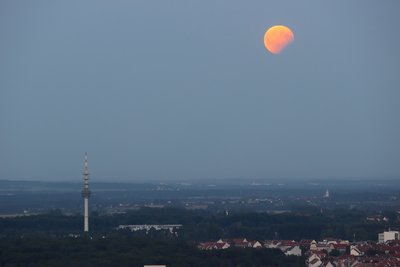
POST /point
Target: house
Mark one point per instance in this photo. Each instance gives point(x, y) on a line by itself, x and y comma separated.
point(280, 244)
point(223, 245)
point(388, 249)
point(286, 244)
point(345, 261)
point(210, 245)
point(255, 244)
point(378, 261)
point(241, 243)
point(315, 262)
point(320, 255)
point(272, 243)
point(293, 251)
point(342, 248)
point(319, 247)
point(393, 243)
point(313, 245)
point(359, 250)
point(388, 235)
point(330, 240)
point(355, 251)
point(305, 243)
point(206, 245)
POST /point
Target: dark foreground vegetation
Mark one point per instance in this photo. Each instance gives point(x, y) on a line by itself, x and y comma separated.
point(54, 239)
point(203, 225)
point(131, 251)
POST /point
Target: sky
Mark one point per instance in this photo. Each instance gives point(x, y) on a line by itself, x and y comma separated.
point(186, 90)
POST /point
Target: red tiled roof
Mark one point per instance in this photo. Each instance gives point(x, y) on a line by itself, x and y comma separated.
point(340, 246)
point(288, 243)
point(240, 242)
point(220, 245)
point(207, 245)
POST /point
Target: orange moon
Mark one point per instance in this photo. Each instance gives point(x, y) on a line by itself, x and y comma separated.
point(277, 38)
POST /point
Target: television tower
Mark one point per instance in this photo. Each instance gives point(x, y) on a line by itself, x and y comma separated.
point(86, 195)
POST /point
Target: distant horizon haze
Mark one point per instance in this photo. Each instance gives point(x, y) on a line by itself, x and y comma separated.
point(203, 180)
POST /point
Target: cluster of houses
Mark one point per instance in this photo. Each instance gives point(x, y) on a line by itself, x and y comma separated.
point(289, 247)
point(329, 252)
point(339, 253)
point(377, 218)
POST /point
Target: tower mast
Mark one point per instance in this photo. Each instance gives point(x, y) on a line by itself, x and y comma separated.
point(86, 194)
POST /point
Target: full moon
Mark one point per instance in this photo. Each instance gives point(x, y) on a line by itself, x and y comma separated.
point(277, 38)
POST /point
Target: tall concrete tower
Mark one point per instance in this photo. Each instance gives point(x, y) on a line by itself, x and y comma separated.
point(86, 194)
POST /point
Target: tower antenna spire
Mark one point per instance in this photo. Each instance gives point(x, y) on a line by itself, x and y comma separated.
point(86, 194)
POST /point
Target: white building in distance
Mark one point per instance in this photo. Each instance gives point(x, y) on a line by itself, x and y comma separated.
point(388, 235)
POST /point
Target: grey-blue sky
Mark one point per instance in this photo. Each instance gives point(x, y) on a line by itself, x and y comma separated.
point(185, 89)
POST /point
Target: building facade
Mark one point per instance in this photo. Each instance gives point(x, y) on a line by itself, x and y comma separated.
point(387, 236)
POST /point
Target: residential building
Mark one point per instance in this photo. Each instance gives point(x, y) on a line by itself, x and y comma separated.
point(387, 236)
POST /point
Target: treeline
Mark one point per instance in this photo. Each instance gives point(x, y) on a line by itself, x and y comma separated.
point(44, 240)
point(133, 252)
point(203, 225)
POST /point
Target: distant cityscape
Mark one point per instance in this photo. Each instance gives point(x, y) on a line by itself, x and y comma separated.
point(288, 211)
point(363, 205)
point(328, 252)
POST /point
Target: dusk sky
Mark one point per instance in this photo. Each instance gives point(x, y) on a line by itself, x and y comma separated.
point(186, 90)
